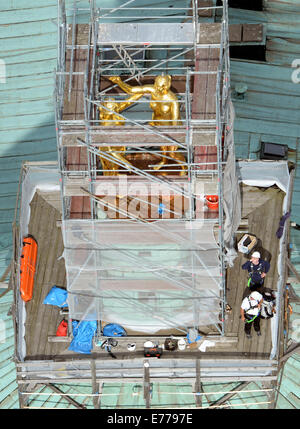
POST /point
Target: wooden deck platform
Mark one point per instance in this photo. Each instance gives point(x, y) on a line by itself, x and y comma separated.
point(262, 208)
point(42, 320)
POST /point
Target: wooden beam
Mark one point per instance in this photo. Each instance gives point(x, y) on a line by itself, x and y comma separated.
point(293, 297)
point(94, 385)
point(55, 339)
point(229, 395)
point(295, 349)
point(3, 285)
point(212, 379)
point(147, 383)
point(293, 269)
point(198, 385)
point(68, 398)
point(23, 399)
point(7, 271)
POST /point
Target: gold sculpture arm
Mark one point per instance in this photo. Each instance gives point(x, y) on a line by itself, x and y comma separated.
point(132, 89)
point(124, 104)
point(108, 111)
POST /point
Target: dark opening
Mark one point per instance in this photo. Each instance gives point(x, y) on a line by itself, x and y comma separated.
point(244, 4)
point(248, 52)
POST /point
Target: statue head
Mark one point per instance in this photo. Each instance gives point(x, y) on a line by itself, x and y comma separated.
point(162, 82)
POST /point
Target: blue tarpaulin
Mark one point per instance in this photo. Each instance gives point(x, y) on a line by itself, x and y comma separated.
point(57, 296)
point(83, 333)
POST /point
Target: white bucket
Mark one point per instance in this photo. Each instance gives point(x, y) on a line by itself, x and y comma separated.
point(181, 344)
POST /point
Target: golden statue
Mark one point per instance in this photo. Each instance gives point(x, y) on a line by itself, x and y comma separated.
point(164, 102)
point(111, 118)
point(165, 106)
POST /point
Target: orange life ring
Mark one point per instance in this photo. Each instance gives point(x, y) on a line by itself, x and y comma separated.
point(27, 268)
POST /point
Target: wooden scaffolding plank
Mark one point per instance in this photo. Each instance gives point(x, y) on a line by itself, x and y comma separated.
point(43, 319)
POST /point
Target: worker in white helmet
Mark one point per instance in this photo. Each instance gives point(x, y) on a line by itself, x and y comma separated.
point(250, 312)
point(257, 269)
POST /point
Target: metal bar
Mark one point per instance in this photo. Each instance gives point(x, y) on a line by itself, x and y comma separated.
point(72, 50)
point(150, 61)
point(219, 121)
point(117, 8)
point(166, 8)
point(151, 68)
point(195, 22)
point(155, 205)
point(147, 128)
point(86, 78)
point(148, 17)
point(141, 173)
point(119, 61)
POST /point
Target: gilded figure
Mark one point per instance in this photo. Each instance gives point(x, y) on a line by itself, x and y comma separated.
point(166, 112)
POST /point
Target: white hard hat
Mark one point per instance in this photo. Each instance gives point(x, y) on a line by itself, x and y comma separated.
point(148, 344)
point(256, 255)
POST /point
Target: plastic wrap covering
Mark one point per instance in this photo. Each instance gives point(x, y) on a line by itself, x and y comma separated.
point(146, 277)
point(43, 178)
point(231, 194)
point(36, 178)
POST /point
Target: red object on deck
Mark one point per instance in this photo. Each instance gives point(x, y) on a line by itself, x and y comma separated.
point(212, 201)
point(27, 268)
point(62, 330)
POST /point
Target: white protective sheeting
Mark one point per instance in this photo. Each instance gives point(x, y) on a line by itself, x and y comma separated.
point(146, 277)
point(34, 178)
point(231, 194)
point(264, 173)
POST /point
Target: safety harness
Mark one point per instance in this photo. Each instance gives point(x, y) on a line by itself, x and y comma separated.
point(258, 269)
point(251, 307)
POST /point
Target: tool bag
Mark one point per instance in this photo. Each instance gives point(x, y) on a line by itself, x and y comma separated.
point(153, 352)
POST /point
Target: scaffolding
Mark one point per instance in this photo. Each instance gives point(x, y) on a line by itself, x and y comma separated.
point(161, 269)
point(118, 42)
